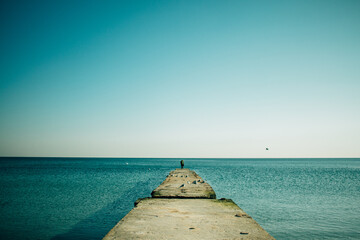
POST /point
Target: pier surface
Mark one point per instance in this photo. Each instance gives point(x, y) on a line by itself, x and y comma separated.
point(191, 214)
point(183, 183)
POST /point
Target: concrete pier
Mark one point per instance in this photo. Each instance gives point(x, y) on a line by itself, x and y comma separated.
point(184, 207)
point(183, 183)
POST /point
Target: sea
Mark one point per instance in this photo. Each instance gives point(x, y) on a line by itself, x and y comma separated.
point(83, 198)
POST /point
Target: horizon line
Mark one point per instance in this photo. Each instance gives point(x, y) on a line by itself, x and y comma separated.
point(179, 157)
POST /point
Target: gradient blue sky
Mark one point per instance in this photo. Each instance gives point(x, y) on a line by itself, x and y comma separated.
point(180, 78)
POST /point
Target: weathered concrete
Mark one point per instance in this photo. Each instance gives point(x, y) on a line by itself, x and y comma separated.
point(183, 207)
point(183, 183)
point(187, 219)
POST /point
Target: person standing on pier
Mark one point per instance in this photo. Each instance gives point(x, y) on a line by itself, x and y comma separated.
point(182, 163)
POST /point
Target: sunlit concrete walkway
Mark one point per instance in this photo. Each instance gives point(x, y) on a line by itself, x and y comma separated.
point(184, 207)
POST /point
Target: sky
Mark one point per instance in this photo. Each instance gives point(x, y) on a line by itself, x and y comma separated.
point(180, 78)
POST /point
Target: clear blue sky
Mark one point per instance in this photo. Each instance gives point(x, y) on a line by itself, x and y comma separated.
point(180, 78)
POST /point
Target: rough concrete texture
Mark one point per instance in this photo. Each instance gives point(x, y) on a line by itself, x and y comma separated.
point(157, 218)
point(183, 183)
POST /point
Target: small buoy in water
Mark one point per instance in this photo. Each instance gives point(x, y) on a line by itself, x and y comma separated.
point(127, 163)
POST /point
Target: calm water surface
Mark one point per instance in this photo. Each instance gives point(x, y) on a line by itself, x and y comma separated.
point(83, 198)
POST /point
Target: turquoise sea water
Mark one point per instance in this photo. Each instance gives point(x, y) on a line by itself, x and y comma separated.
point(83, 198)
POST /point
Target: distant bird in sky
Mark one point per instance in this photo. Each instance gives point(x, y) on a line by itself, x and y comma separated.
point(267, 149)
